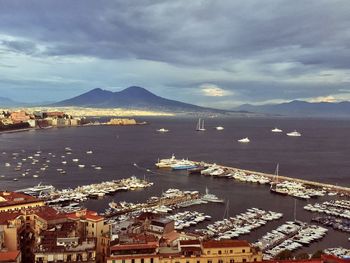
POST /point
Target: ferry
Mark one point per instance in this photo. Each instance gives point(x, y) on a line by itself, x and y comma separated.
point(294, 134)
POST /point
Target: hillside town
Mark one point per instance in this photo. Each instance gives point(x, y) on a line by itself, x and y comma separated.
point(21, 119)
point(31, 231)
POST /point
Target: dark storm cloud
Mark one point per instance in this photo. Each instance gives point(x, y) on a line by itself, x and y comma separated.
point(278, 39)
point(189, 32)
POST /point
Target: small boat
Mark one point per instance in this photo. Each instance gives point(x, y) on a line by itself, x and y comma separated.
point(81, 165)
point(35, 175)
point(89, 152)
point(200, 125)
point(162, 130)
point(75, 160)
point(64, 162)
point(244, 140)
point(98, 168)
point(68, 149)
point(294, 134)
point(7, 164)
point(219, 128)
point(15, 179)
point(276, 130)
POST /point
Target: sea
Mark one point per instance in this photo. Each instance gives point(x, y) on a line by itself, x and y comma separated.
point(321, 154)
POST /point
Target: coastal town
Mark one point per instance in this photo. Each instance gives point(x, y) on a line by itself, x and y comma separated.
point(23, 120)
point(43, 224)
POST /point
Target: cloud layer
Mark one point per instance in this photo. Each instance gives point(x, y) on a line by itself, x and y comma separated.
point(248, 51)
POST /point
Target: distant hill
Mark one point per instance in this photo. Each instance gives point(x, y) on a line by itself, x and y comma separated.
point(8, 103)
point(299, 108)
point(132, 98)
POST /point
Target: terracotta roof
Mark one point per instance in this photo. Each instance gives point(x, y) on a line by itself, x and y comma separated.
point(9, 256)
point(86, 214)
point(8, 216)
point(129, 246)
point(295, 261)
point(225, 243)
point(48, 213)
point(13, 198)
point(189, 242)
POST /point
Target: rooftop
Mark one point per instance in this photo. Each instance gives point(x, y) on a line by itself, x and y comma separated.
point(13, 198)
point(9, 256)
point(85, 214)
point(225, 243)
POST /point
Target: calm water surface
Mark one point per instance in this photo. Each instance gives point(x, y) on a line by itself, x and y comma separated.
point(320, 154)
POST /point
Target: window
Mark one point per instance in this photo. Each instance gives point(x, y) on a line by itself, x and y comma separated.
point(198, 261)
point(151, 260)
point(92, 224)
point(187, 261)
point(243, 250)
point(220, 261)
point(219, 252)
point(244, 260)
point(232, 261)
point(142, 260)
point(254, 259)
point(209, 261)
point(123, 260)
point(133, 260)
point(231, 251)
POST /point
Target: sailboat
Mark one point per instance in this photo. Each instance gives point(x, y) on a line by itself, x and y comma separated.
point(274, 185)
point(200, 125)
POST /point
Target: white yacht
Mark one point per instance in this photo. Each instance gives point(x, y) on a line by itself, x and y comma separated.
point(75, 160)
point(219, 128)
point(294, 134)
point(162, 130)
point(89, 152)
point(210, 197)
point(276, 130)
point(200, 125)
point(244, 140)
point(81, 165)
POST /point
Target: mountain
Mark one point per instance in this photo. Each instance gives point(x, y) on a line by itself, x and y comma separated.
point(8, 103)
point(132, 98)
point(299, 108)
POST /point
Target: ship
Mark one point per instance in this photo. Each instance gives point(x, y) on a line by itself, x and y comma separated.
point(294, 134)
point(276, 130)
point(211, 197)
point(36, 190)
point(162, 130)
point(274, 185)
point(244, 140)
point(200, 125)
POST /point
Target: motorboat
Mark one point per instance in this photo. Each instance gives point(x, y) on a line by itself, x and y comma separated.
point(244, 140)
point(276, 130)
point(162, 130)
point(294, 134)
point(219, 128)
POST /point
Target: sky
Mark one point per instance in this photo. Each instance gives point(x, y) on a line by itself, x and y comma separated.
point(211, 53)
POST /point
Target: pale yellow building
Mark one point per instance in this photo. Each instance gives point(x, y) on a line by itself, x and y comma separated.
point(191, 251)
point(11, 201)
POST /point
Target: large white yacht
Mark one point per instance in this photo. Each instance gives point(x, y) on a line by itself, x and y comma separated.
point(294, 134)
point(162, 130)
point(244, 140)
point(276, 130)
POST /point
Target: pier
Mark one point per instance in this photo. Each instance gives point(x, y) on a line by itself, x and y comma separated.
point(328, 187)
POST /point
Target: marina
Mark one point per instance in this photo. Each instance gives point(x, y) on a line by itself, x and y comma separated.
point(244, 223)
point(291, 236)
